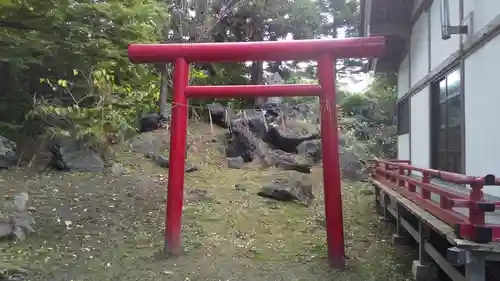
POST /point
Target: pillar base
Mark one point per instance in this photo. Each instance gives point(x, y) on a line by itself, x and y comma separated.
point(399, 239)
point(383, 219)
point(337, 263)
point(169, 251)
point(424, 272)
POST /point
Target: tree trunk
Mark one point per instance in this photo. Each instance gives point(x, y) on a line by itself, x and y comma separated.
point(257, 77)
point(163, 90)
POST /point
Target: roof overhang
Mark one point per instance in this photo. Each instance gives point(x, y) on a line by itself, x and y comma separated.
point(394, 20)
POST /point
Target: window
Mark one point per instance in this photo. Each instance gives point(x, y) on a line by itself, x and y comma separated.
point(446, 123)
point(403, 116)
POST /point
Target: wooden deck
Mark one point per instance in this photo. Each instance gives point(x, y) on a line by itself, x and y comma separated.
point(459, 259)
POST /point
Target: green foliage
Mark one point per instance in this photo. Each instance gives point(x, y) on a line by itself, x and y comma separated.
point(108, 111)
point(64, 63)
point(369, 117)
point(54, 40)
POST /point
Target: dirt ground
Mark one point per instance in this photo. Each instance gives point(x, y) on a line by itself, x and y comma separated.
point(104, 227)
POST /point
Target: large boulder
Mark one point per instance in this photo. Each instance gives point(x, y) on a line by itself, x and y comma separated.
point(311, 149)
point(292, 188)
point(351, 166)
point(288, 161)
point(8, 156)
point(287, 137)
point(290, 136)
point(235, 162)
point(246, 138)
point(218, 114)
point(75, 156)
point(149, 142)
point(254, 131)
point(151, 122)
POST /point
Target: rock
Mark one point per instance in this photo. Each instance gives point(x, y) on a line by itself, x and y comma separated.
point(289, 189)
point(255, 122)
point(290, 137)
point(189, 168)
point(75, 156)
point(117, 169)
point(17, 221)
point(151, 122)
point(245, 141)
point(218, 114)
point(312, 149)
point(6, 228)
point(351, 167)
point(151, 142)
point(235, 162)
point(237, 148)
point(164, 162)
point(8, 156)
point(161, 160)
point(288, 161)
point(256, 131)
point(242, 186)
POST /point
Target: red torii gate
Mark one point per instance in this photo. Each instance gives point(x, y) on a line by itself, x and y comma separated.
point(324, 51)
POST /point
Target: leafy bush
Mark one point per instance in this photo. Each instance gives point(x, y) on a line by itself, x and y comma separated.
point(369, 118)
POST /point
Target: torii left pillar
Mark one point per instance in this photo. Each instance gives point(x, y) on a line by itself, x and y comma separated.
point(323, 51)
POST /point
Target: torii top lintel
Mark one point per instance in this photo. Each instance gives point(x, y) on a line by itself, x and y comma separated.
point(297, 50)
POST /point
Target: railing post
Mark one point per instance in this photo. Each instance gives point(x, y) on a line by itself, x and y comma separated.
point(425, 193)
point(175, 192)
point(401, 181)
point(331, 167)
point(476, 215)
point(444, 203)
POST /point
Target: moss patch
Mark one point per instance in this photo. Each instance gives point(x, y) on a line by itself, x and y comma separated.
point(99, 227)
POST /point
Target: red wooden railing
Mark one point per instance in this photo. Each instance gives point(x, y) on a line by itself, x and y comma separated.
point(396, 174)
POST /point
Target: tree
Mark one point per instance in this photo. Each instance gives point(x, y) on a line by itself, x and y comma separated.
point(370, 115)
point(51, 49)
point(265, 20)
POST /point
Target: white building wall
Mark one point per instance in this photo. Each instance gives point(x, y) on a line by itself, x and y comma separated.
point(484, 11)
point(404, 147)
point(482, 114)
point(442, 49)
point(404, 77)
point(419, 49)
point(481, 94)
point(403, 87)
point(420, 129)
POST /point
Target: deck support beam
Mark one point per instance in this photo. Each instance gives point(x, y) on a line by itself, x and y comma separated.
point(424, 268)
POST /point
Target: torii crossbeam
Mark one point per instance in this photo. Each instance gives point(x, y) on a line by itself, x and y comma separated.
point(324, 51)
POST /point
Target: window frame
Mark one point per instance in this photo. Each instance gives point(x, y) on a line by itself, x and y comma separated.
point(442, 156)
point(403, 116)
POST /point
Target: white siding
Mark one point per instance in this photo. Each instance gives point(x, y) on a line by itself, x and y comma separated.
point(420, 131)
point(482, 99)
point(419, 49)
point(484, 11)
point(403, 77)
point(404, 147)
point(442, 49)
